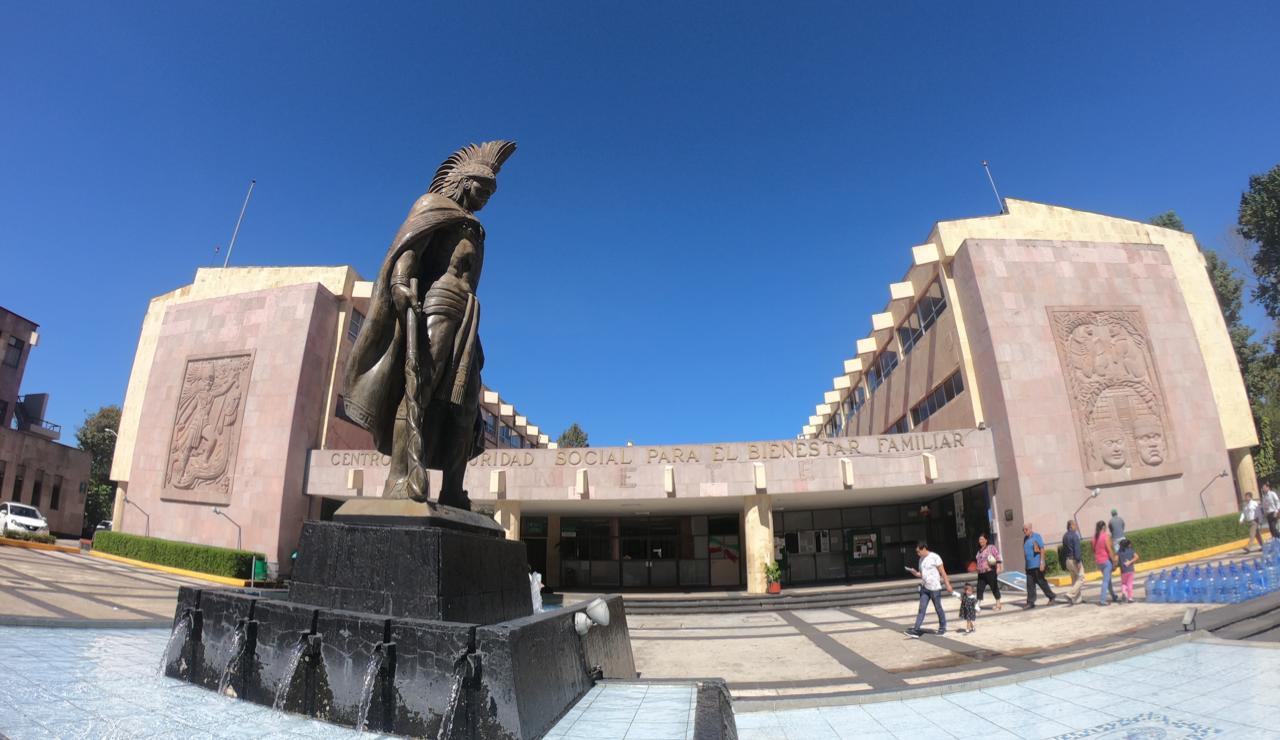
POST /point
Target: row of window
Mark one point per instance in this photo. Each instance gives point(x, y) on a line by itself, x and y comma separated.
point(37, 486)
point(501, 433)
point(941, 396)
point(921, 318)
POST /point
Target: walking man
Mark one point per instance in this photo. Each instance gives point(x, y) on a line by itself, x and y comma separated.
point(1073, 564)
point(932, 578)
point(1271, 507)
point(1116, 525)
point(1033, 551)
point(1251, 514)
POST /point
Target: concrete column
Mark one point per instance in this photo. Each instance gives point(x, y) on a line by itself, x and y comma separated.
point(507, 514)
point(757, 539)
point(552, 576)
point(1242, 470)
point(117, 508)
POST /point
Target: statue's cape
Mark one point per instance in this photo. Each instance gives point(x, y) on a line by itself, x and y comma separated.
point(374, 382)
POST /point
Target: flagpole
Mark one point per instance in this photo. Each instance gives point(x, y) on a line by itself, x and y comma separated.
point(232, 245)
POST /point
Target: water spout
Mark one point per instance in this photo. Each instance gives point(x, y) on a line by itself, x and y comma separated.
point(370, 683)
point(455, 698)
point(238, 644)
point(535, 590)
point(181, 631)
point(291, 667)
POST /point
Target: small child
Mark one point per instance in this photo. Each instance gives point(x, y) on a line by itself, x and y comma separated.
point(1127, 559)
point(968, 608)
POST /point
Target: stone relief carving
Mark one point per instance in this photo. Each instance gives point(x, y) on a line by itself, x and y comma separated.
point(1116, 400)
point(206, 427)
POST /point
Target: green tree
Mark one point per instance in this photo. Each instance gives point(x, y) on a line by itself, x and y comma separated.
point(97, 436)
point(572, 437)
point(1259, 223)
point(1168, 220)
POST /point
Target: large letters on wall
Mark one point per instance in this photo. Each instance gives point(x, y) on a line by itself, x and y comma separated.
point(1121, 421)
point(206, 428)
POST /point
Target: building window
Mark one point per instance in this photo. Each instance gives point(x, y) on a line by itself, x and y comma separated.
point(923, 316)
point(355, 325)
point(18, 475)
point(941, 396)
point(13, 351)
point(899, 426)
point(489, 422)
point(36, 485)
point(55, 496)
point(504, 434)
point(881, 368)
point(4, 416)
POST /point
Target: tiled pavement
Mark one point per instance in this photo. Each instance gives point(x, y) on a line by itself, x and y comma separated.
point(630, 711)
point(87, 683)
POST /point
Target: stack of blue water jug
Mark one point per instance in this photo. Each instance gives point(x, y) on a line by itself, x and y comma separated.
point(1218, 583)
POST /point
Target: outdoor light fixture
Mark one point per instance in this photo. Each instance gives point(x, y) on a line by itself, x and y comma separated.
point(597, 612)
point(1189, 620)
point(223, 514)
point(130, 502)
point(1223, 474)
point(1092, 495)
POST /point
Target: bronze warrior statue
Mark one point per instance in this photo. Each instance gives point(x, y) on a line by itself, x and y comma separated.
point(413, 378)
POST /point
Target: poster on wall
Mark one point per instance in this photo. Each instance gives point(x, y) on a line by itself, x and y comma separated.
point(823, 540)
point(958, 498)
point(806, 542)
point(863, 546)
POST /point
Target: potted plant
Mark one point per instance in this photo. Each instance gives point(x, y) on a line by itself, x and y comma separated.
point(773, 574)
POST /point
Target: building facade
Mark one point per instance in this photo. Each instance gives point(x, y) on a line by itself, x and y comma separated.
point(35, 469)
point(236, 381)
point(1024, 361)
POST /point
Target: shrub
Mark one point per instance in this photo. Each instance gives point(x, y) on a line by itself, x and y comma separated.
point(218, 561)
point(1164, 541)
point(24, 535)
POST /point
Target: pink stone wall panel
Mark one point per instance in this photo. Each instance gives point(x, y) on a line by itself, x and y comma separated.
point(290, 332)
point(1004, 288)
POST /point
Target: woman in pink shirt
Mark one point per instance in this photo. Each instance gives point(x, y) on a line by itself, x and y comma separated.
point(988, 561)
point(1102, 554)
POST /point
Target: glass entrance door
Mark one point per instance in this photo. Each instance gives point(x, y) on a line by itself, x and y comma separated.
point(649, 552)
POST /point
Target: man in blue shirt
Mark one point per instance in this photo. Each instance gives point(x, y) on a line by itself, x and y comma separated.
point(1073, 564)
point(1033, 551)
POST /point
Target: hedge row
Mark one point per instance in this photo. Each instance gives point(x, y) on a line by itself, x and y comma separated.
point(218, 561)
point(24, 535)
point(1162, 542)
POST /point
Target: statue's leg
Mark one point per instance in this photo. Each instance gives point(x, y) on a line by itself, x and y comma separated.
point(453, 473)
point(397, 477)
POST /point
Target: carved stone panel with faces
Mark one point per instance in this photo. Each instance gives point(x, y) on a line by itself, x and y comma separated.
point(1118, 406)
point(206, 428)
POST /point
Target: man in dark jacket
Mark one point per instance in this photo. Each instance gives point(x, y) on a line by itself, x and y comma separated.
point(1072, 562)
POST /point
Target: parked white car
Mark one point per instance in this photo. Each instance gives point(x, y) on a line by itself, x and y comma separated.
point(22, 518)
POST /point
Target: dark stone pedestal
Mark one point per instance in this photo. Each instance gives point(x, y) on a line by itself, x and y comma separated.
point(402, 618)
point(424, 572)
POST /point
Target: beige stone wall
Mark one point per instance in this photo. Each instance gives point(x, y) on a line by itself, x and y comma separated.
point(209, 283)
point(289, 331)
point(1027, 220)
point(1005, 288)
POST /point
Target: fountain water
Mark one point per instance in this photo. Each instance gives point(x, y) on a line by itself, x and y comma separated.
point(455, 699)
point(370, 684)
point(181, 631)
point(535, 590)
point(238, 644)
point(290, 668)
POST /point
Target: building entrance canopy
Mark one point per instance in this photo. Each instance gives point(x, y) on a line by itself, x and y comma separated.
point(704, 477)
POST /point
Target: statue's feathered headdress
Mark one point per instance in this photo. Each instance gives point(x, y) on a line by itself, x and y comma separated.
point(476, 160)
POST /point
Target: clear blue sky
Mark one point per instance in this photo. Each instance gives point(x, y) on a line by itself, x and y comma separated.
point(708, 202)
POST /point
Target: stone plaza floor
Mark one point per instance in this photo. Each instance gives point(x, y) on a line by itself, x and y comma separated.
point(104, 683)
